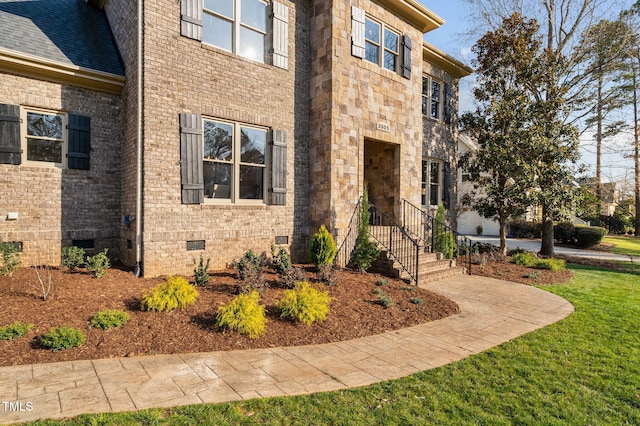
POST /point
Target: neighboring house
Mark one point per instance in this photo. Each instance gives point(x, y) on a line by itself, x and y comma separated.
point(169, 130)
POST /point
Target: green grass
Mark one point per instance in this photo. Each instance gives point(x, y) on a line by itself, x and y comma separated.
point(584, 370)
point(624, 245)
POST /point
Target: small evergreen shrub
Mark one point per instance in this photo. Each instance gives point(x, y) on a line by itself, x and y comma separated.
point(98, 264)
point(291, 276)
point(15, 330)
point(417, 301)
point(328, 274)
point(176, 292)
point(243, 314)
point(72, 257)
point(322, 247)
point(281, 259)
point(383, 298)
point(9, 258)
point(408, 288)
point(532, 275)
point(553, 265)
point(109, 318)
point(201, 272)
point(443, 240)
point(252, 280)
point(524, 259)
point(250, 262)
point(564, 232)
point(382, 281)
point(305, 304)
point(589, 236)
point(61, 338)
point(366, 251)
point(524, 229)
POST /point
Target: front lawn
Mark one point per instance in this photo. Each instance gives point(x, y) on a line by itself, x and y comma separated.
point(584, 370)
point(624, 245)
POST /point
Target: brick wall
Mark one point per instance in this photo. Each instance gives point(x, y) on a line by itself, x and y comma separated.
point(54, 205)
point(185, 75)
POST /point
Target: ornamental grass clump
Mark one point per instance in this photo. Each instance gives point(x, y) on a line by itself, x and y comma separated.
point(109, 318)
point(15, 330)
point(243, 314)
point(305, 304)
point(176, 292)
point(322, 247)
point(60, 338)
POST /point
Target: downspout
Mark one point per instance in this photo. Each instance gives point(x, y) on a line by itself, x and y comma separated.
point(139, 142)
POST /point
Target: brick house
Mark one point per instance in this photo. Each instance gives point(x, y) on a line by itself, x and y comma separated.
point(166, 130)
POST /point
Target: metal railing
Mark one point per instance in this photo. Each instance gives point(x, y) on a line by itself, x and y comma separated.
point(436, 236)
point(401, 246)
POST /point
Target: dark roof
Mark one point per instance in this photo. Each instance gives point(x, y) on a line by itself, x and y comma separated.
point(67, 31)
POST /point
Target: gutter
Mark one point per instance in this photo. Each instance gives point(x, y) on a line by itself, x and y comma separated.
point(139, 142)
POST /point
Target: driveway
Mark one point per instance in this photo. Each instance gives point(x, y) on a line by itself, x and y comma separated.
point(534, 246)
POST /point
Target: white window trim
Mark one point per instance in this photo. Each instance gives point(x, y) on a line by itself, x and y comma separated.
point(427, 183)
point(236, 26)
point(381, 47)
point(24, 136)
point(236, 163)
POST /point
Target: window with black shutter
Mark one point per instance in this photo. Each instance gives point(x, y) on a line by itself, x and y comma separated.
point(10, 146)
point(191, 175)
point(278, 187)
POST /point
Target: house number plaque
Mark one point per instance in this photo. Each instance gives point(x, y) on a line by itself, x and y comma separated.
point(382, 126)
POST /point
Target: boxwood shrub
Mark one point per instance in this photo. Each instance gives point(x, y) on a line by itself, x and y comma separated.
point(589, 236)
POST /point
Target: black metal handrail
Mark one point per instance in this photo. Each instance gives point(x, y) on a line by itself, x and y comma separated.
point(436, 236)
point(343, 256)
point(396, 240)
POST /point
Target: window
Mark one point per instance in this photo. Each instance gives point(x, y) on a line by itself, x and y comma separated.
point(239, 26)
point(44, 137)
point(381, 45)
point(431, 182)
point(431, 98)
point(234, 161)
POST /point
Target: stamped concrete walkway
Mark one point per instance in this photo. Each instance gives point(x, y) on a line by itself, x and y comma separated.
point(492, 312)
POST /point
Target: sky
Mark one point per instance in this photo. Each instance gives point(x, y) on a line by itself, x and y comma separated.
point(451, 38)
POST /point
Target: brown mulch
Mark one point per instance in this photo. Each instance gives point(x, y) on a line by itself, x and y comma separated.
point(76, 297)
point(501, 268)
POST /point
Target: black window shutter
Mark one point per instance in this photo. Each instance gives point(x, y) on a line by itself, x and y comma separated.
point(446, 194)
point(79, 142)
point(191, 18)
point(406, 56)
point(10, 149)
point(448, 103)
point(278, 187)
point(191, 149)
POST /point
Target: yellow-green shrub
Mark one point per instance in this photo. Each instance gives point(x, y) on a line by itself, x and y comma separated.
point(243, 314)
point(175, 293)
point(305, 303)
point(551, 264)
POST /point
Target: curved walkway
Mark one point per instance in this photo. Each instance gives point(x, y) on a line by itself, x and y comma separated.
point(492, 312)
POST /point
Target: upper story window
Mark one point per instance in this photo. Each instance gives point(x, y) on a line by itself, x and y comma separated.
point(432, 98)
point(234, 161)
point(382, 45)
point(239, 26)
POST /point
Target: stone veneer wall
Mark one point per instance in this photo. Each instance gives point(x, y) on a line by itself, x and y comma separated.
point(350, 96)
point(55, 205)
point(185, 75)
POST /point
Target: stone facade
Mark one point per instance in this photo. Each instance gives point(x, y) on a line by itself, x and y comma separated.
point(348, 123)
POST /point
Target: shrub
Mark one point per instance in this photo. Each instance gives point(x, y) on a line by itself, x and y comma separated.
point(383, 298)
point(532, 275)
point(322, 247)
point(366, 251)
point(61, 338)
point(525, 259)
point(417, 301)
point(281, 260)
point(15, 330)
point(243, 314)
point(328, 274)
point(98, 264)
point(176, 292)
point(72, 257)
point(9, 258)
point(443, 240)
point(523, 229)
point(252, 280)
point(291, 276)
point(109, 318)
point(589, 236)
point(551, 264)
point(382, 281)
point(201, 272)
point(248, 263)
point(564, 232)
point(305, 304)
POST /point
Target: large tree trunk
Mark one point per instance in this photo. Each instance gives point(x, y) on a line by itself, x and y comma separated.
point(546, 248)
